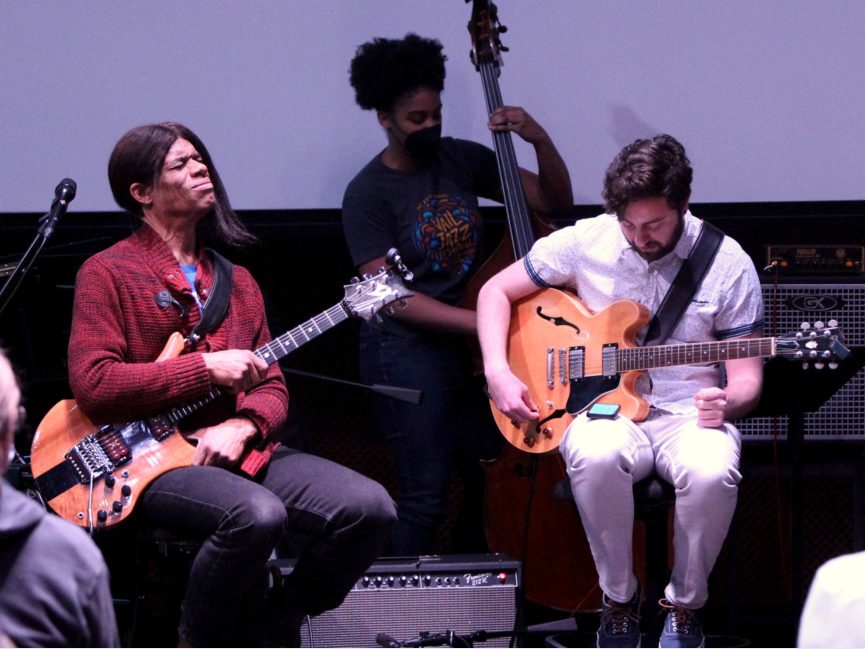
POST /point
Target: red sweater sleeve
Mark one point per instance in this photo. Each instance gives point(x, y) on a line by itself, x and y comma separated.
point(267, 403)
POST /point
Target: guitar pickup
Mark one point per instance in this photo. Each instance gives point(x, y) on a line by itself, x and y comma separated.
point(576, 363)
point(160, 427)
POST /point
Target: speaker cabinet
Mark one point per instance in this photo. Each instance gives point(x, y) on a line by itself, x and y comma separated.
point(406, 597)
point(842, 415)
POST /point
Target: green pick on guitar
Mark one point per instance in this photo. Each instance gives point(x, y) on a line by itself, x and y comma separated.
point(571, 358)
point(92, 475)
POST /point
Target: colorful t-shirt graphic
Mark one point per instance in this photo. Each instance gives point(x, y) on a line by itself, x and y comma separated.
point(447, 233)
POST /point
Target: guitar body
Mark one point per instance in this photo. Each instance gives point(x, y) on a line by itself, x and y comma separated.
point(60, 430)
point(65, 426)
point(554, 320)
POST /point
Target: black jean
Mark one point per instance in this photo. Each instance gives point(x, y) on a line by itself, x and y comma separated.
point(336, 520)
point(453, 427)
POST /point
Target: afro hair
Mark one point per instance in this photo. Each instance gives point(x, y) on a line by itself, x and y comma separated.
point(384, 69)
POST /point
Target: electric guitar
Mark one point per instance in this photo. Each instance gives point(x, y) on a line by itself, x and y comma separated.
point(92, 475)
point(570, 358)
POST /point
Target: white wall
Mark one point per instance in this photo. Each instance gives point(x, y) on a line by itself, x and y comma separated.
point(768, 97)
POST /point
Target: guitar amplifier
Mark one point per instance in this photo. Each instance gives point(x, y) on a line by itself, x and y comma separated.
point(842, 415)
point(406, 598)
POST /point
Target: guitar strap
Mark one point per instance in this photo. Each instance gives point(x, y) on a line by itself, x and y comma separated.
point(685, 284)
point(216, 304)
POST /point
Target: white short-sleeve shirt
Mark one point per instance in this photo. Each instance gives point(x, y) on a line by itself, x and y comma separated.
point(593, 258)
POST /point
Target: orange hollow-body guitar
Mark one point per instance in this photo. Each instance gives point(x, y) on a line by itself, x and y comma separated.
point(570, 358)
point(92, 475)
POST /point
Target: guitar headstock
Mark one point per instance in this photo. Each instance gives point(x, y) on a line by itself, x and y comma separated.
point(485, 28)
point(365, 297)
point(820, 345)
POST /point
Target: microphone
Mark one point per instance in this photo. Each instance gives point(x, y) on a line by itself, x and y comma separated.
point(65, 191)
point(385, 640)
point(63, 195)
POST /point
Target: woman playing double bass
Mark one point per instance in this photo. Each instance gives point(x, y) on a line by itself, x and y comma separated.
point(420, 194)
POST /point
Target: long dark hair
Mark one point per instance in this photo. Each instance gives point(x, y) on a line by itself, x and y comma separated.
point(138, 158)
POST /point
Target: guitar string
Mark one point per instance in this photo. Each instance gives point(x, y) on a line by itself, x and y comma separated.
point(634, 358)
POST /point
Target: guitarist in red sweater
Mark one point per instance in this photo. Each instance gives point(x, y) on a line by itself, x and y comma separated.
point(244, 491)
point(634, 252)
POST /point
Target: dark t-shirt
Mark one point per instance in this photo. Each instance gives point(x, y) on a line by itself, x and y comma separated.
point(431, 215)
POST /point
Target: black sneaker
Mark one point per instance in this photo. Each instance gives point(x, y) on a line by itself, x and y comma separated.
point(682, 628)
point(620, 623)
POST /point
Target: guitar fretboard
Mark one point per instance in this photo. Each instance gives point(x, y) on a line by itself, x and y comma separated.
point(276, 349)
point(643, 358)
point(519, 225)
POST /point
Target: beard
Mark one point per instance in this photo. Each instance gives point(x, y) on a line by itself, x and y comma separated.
point(654, 250)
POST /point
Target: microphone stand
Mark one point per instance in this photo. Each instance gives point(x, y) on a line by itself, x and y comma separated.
point(46, 228)
point(409, 395)
point(454, 639)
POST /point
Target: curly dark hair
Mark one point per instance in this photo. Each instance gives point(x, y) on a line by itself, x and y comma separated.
point(383, 70)
point(138, 157)
point(648, 169)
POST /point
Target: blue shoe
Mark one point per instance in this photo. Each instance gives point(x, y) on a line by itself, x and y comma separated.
point(620, 623)
point(682, 628)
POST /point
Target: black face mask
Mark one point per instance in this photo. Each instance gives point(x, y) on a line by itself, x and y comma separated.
point(424, 143)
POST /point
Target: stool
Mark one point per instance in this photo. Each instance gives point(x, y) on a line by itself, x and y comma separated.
point(653, 498)
point(162, 563)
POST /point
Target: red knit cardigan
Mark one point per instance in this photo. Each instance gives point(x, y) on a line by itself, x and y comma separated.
point(118, 330)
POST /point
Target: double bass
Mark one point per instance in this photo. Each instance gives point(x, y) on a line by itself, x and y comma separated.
point(522, 516)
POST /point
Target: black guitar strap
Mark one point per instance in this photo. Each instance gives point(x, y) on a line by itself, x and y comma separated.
point(685, 284)
point(216, 304)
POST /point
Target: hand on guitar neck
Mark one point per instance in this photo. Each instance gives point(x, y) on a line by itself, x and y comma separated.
point(237, 370)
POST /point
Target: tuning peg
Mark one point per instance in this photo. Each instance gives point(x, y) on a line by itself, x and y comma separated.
point(354, 280)
point(818, 325)
point(804, 326)
point(818, 366)
point(367, 276)
point(833, 323)
point(805, 365)
point(833, 366)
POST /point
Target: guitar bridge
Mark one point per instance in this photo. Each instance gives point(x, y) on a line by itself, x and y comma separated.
point(89, 460)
